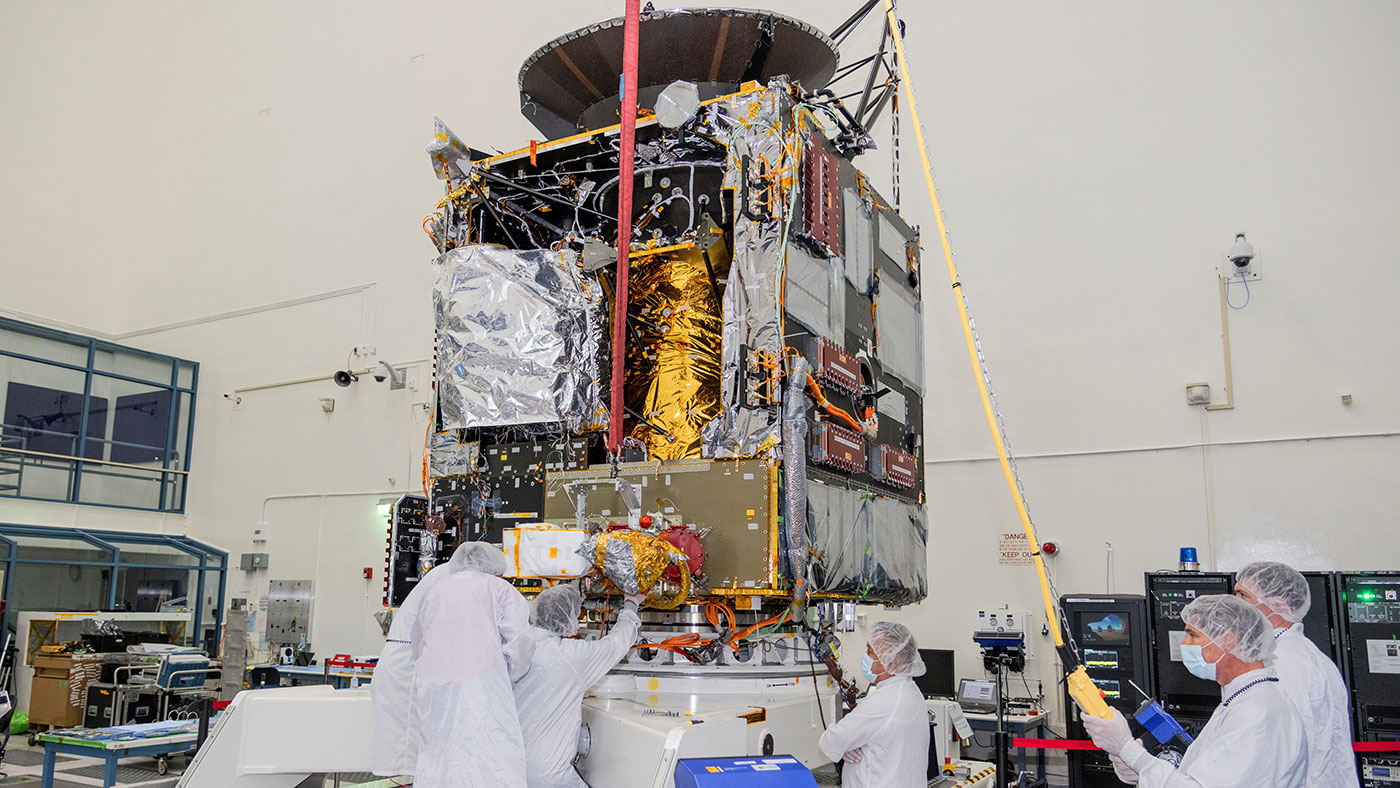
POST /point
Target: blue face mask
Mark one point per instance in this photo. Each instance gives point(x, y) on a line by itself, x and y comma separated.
point(867, 668)
point(1195, 661)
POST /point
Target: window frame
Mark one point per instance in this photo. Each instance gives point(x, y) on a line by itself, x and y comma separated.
point(174, 477)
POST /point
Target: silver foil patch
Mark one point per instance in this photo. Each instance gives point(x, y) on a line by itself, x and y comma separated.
point(518, 338)
point(869, 546)
point(899, 318)
point(807, 296)
point(450, 156)
point(618, 564)
point(448, 456)
point(750, 298)
point(860, 241)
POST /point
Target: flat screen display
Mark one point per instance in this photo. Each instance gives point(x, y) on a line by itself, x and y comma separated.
point(1105, 628)
point(937, 680)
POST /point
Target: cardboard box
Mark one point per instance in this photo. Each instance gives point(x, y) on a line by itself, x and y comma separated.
point(59, 692)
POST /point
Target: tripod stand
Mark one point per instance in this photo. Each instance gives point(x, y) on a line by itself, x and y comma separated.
point(1001, 660)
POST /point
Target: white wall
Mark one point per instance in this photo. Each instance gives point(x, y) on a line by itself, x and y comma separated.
point(1095, 160)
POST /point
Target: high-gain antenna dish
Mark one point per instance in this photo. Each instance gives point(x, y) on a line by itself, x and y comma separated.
point(571, 83)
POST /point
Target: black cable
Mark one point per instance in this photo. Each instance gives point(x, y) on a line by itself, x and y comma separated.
point(850, 68)
point(811, 662)
point(500, 223)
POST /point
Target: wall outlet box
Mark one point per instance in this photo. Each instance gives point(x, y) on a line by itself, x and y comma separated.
point(250, 561)
point(260, 533)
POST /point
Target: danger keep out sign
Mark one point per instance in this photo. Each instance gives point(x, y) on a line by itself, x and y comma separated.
point(1014, 550)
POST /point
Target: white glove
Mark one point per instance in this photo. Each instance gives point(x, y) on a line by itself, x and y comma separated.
point(1125, 773)
point(1111, 735)
point(636, 599)
point(853, 756)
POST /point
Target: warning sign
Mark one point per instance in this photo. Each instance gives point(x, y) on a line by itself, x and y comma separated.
point(1014, 550)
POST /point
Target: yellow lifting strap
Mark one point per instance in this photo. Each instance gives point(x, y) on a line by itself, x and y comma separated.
point(1081, 687)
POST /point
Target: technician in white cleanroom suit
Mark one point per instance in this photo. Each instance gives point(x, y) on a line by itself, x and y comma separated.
point(1253, 739)
point(1307, 676)
point(391, 691)
point(550, 697)
point(884, 741)
point(471, 640)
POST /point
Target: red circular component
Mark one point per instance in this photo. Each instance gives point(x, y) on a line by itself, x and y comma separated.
point(690, 544)
point(645, 521)
point(1049, 548)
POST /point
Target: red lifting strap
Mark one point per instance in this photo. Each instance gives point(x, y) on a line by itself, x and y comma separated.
point(626, 158)
point(1053, 744)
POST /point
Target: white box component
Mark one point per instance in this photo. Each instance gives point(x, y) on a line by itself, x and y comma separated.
point(637, 725)
point(541, 550)
point(946, 738)
point(253, 746)
point(1008, 621)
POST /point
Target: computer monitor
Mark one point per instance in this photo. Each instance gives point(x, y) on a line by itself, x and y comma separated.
point(937, 681)
point(978, 695)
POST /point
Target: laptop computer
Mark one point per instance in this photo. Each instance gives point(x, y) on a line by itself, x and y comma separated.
point(978, 696)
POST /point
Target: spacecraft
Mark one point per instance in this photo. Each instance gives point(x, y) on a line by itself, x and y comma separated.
point(765, 473)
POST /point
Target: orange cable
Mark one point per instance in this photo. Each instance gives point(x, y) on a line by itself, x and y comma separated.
point(834, 410)
point(426, 434)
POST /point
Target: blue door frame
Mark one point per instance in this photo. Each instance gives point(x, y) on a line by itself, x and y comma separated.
point(210, 560)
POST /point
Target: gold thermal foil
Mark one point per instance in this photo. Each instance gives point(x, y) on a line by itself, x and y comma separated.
point(646, 557)
point(673, 356)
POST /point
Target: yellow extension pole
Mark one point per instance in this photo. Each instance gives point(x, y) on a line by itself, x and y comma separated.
point(1050, 607)
point(1085, 693)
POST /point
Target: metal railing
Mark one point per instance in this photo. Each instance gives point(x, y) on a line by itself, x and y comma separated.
point(14, 451)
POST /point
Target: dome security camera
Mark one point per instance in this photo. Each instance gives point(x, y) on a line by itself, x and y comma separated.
point(344, 378)
point(384, 372)
point(1241, 253)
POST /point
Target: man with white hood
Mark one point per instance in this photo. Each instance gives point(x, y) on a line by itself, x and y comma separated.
point(1253, 739)
point(549, 699)
point(471, 640)
point(884, 740)
point(1306, 675)
point(395, 743)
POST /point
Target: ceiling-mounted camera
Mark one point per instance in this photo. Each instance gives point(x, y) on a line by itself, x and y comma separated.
point(1241, 253)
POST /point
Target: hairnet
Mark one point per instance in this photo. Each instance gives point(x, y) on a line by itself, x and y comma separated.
point(480, 556)
point(896, 649)
point(1232, 624)
point(556, 610)
point(1279, 586)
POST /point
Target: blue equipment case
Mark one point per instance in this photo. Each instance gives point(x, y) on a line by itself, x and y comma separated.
point(180, 671)
point(774, 771)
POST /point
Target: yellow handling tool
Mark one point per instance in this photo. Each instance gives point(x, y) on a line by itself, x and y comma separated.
point(1081, 687)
